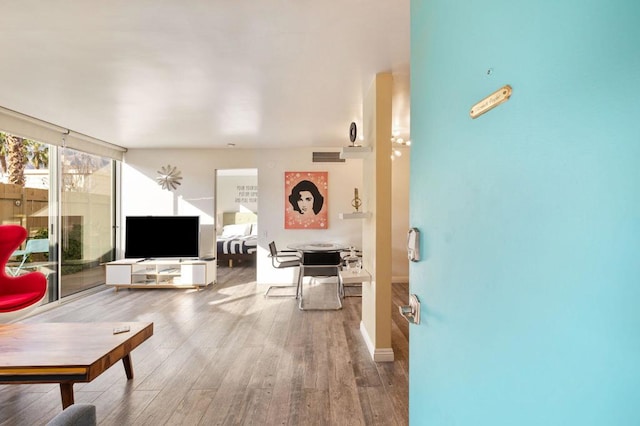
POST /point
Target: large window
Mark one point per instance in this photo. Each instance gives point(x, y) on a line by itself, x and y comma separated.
point(86, 219)
point(65, 199)
point(24, 200)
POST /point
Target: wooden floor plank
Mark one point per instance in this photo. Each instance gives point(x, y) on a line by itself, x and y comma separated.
point(123, 406)
point(192, 408)
point(228, 355)
point(343, 394)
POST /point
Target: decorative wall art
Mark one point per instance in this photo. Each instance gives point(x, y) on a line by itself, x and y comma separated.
point(246, 194)
point(169, 177)
point(306, 200)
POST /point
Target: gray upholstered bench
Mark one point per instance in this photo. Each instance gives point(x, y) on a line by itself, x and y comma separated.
point(75, 415)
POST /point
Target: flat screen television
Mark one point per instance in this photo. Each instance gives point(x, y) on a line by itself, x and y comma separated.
point(152, 237)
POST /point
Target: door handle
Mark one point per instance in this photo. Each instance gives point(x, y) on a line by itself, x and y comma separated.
point(413, 244)
point(411, 312)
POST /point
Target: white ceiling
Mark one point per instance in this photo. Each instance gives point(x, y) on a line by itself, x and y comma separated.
point(198, 73)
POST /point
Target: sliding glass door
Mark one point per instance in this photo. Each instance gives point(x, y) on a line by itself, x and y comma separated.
point(86, 219)
point(65, 200)
point(25, 200)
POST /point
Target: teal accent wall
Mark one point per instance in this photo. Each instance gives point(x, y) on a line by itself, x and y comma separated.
point(530, 214)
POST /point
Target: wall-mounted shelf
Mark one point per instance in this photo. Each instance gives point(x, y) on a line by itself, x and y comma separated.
point(359, 215)
point(348, 277)
point(355, 151)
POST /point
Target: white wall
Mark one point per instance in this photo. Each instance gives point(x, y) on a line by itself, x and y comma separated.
point(343, 178)
point(232, 194)
point(141, 195)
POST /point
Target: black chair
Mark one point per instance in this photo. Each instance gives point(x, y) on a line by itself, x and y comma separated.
point(281, 260)
point(319, 264)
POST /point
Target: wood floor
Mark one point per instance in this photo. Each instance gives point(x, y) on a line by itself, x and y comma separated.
point(228, 356)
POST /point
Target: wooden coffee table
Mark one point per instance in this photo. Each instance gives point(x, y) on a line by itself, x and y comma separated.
point(66, 353)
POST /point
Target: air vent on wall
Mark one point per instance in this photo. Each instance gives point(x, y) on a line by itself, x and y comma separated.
point(327, 157)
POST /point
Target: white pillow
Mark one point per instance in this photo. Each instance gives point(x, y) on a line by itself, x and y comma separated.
point(254, 229)
point(236, 230)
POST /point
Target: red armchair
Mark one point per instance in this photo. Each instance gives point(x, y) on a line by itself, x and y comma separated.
point(19, 292)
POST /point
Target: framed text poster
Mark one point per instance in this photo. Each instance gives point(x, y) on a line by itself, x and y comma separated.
point(305, 204)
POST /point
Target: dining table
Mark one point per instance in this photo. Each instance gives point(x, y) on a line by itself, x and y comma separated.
point(353, 277)
point(315, 247)
point(319, 259)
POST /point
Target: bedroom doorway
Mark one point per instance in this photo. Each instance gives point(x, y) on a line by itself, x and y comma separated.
point(236, 206)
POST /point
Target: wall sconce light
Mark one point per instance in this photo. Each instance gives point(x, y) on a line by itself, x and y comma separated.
point(398, 142)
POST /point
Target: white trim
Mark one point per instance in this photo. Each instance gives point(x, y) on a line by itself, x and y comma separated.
point(41, 131)
point(94, 146)
point(383, 355)
point(367, 340)
point(379, 354)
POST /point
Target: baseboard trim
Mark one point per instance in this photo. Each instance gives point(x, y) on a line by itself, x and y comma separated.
point(379, 354)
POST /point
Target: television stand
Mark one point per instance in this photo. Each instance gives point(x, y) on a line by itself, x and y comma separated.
point(160, 273)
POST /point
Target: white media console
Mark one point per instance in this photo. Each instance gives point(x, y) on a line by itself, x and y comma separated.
point(160, 273)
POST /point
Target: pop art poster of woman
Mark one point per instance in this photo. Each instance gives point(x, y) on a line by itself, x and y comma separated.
point(306, 195)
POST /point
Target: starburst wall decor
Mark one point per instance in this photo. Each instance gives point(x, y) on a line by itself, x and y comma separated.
point(169, 177)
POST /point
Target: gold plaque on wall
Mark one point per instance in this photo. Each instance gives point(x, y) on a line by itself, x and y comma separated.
point(493, 100)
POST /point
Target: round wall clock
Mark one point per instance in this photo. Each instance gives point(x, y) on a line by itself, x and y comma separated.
point(169, 177)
